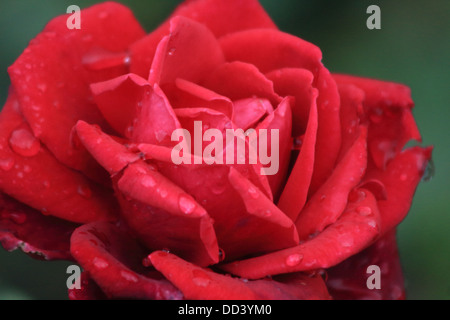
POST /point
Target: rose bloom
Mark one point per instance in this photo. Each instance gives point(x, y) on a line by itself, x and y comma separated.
point(86, 172)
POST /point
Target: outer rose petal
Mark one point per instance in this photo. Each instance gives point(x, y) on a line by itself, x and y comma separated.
point(52, 78)
point(189, 52)
point(388, 106)
point(165, 217)
point(357, 227)
point(220, 16)
point(37, 235)
point(327, 204)
point(32, 175)
point(401, 179)
point(348, 280)
point(113, 259)
point(204, 284)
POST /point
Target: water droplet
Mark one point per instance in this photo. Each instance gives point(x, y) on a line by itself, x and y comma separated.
point(403, 177)
point(429, 171)
point(103, 15)
point(364, 211)
point(127, 60)
point(160, 135)
point(42, 87)
point(100, 263)
point(6, 164)
point(372, 223)
point(171, 51)
point(267, 213)
point(129, 276)
point(253, 192)
point(84, 191)
point(346, 241)
point(20, 175)
point(24, 143)
point(294, 259)
point(323, 197)
point(46, 184)
point(162, 192)
point(218, 188)
point(148, 181)
point(187, 206)
point(200, 278)
point(27, 169)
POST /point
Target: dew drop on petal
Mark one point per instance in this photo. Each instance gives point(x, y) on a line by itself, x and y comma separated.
point(200, 278)
point(171, 52)
point(148, 181)
point(364, 211)
point(100, 263)
point(129, 276)
point(187, 206)
point(42, 87)
point(294, 259)
point(6, 164)
point(253, 192)
point(24, 143)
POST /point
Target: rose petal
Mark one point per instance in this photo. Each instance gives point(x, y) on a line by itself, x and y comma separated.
point(221, 17)
point(39, 236)
point(348, 280)
point(189, 52)
point(31, 174)
point(388, 107)
point(325, 206)
point(164, 216)
point(204, 284)
point(292, 286)
point(270, 50)
point(357, 227)
point(199, 283)
point(119, 100)
point(263, 218)
point(295, 192)
point(351, 115)
point(156, 121)
point(52, 79)
point(187, 94)
point(111, 155)
point(329, 138)
point(238, 80)
point(401, 178)
point(113, 259)
point(278, 123)
point(297, 83)
point(247, 112)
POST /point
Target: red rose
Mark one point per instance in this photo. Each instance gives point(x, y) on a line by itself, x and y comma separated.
point(87, 170)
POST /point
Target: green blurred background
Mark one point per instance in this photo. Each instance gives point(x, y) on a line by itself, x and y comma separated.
point(412, 47)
